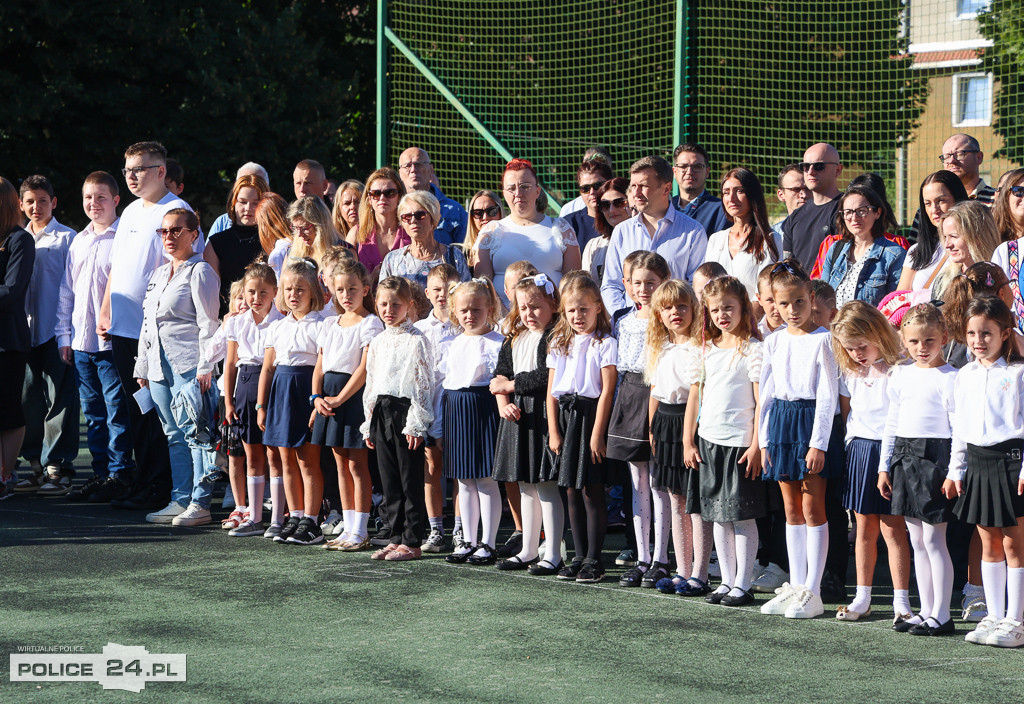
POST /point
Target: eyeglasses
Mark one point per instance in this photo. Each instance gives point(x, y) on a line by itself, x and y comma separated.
point(302, 229)
point(413, 165)
point(695, 168)
point(1017, 191)
point(817, 166)
point(859, 213)
point(521, 188)
point(173, 232)
point(481, 213)
point(612, 203)
point(137, 171)
point(387, 193)
point(794, 189)
point(408, 218)
point(958, 155)
point(588, 187)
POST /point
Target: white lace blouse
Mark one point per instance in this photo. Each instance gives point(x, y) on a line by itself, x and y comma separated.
point(399, 364)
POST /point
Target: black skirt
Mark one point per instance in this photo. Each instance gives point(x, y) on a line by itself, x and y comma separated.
point(917, 469)
point(726, 494)
point(288, 409)
point(860, 492)
point(668, 472)
point(11, 382)
point(342, 429)
point(470, 418)
point(574, 467)
point(989, 495)
point(519, 450)
point(628, 432)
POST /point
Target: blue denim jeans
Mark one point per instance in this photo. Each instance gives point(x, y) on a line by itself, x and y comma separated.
point(105, 407)
point(189, 471)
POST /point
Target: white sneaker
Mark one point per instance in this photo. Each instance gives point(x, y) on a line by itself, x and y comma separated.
point(194, 515)
point(166, 514)
point(784, 596)
point(434, 542)
point(806, 604)
point(973, 604)
point(1008, 633)
point(770, 579)
point(332, 525)
point(981, 632)
point(713, 569)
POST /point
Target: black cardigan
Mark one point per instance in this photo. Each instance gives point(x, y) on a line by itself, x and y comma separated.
point(17, 257)
point(526, 383)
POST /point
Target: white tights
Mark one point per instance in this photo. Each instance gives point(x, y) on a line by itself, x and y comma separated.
point(480, 502)
point(932, 567)
point(693, 539)
point(541, 503)
point(642, 495)
point(736, 544)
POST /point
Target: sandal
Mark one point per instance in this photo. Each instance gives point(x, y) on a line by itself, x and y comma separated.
point(516, 563)
point(693, 587)
point(845, 613)
point(403, 552)
point(357, 543)
point(233, 519)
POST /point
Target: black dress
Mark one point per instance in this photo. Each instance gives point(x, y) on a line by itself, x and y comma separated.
point(236, 248)
point(521, 444)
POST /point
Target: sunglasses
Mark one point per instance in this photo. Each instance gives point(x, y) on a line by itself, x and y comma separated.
point(481, 213)
point(613, 203)
point(388, 193)
point(174, 232)
point(1017, 191)
point(588, 187)
point(418, 216)
point(817, 166)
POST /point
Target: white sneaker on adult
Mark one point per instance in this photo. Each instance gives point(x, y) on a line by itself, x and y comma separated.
point(771, 578)
point(1008, 633)
point(194, 515)
point(981, 632)
point(784, 596)
point(166, 514)
point(807, 604)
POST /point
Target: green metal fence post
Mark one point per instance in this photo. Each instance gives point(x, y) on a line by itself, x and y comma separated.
point(382, 86)
point(679, 86)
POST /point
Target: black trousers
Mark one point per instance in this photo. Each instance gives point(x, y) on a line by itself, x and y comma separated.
point(152, 461)
point(401, 471)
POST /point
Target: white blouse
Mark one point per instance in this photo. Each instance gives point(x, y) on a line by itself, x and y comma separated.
point(250, 336)
point(670, 382)
point(399, 364)
point(342, 347)
point(920, 406)
point(990, 409)
point(579, 372)
point(471, 360)
point(921, 276)
point(524, 351)
point(543, 244)
point(631, 333)
point(744, 266)
point(800, 367)
point(295, 341)
point(869, 402)
point(728, 406)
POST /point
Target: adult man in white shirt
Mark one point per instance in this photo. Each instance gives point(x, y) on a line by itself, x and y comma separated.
point(136, 253)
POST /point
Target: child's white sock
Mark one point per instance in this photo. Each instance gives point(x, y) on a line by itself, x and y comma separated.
point(862, 601)
point(359, 528)
point(901, 601)
point(254, 487)
point(297, 513)
point(277, 500)
point(796, 548)
point(994, 575)
point(348, 519)
point(746, 554)
point(817, 552)
point(437, 523)
point(458, 524)
point(725, 544)
point(1015, 593)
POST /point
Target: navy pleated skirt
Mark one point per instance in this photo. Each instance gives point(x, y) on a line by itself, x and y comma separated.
point(789, 437)
point(990, 495)
point(860, 492)
point(247, 385)
point(342, 429)
point(470, 418)
point(288, 408)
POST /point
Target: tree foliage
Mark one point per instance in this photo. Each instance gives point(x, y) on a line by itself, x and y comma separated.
point(1003, 23)
point(218, 83)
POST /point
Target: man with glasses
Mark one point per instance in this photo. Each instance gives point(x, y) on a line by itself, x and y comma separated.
point(418, 175)
point(808, 226)
point(592, 154)
point(690, 166)
point(962, 155)
point(135, 254)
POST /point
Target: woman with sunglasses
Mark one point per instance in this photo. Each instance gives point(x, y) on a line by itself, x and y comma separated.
point(527, 233)
point(590, 176)
point(419, 213)
point(612, 208)
point(940, 191)
point(379, 230)
point(483, 207)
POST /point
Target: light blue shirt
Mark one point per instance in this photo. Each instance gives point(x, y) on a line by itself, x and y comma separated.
point(52, 245)
point(220, 224)
point(680, 239)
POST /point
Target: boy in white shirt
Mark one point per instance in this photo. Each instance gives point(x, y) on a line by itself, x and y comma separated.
point(104, 402)
point(50, 397)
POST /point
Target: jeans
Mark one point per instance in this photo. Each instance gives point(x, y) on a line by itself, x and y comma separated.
point(50, 401)
point(189, 473)
point(105, 407)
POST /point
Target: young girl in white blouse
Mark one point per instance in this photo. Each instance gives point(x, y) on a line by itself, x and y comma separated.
point(724, 396)
point(629, 430)
point(470, 418)
point(867, 347)
point(915, 455)
point(581, 383)
point(246, 335)
point(398, 410)
point(338, 397)
point(284, 411)
point(798, 393)
point(985, 469)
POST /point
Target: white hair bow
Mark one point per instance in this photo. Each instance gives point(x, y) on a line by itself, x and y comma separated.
point(544, 283)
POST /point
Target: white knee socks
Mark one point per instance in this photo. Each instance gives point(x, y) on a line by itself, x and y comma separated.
point(277, 500)
point(942, 569)
point(922, 569)
point(469, 503)
point(490, 509)
point(1015, 593)
point(817, 551)
point(994, 575)
point(746, 554)
point(530, 509)
point(796, 548)
point(725, 545)
point(254, 488)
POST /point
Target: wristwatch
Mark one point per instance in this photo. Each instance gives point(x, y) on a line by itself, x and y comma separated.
point(314, 397)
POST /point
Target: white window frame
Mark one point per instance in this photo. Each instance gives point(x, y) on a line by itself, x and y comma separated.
point(983, 122)
point(968, 15)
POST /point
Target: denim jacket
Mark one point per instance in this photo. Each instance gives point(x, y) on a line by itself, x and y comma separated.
point(878, 278)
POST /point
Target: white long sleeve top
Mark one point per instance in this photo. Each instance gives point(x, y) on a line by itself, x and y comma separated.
point(398, 363)
point(920, 406)
point(990, 409)
point(869, 402)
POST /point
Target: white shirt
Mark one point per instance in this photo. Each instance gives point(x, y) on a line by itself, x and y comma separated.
point(524, 351)
point(278, 256)
point(250, 336)
point(135, 255)
point(670, 382)
point(295, 341)
point(631, 333)
point(728, 406)
point(922, 276)
point(399, 364)
point(579, 372)
point(52, 245)
point(990, 409)
point(744, 266)
point(869, 402)
point(920, 406)
point(800, 367)
point(342, 347)
point(542, 243)
point(471, 360)
point(82, 288)
point(765, 331)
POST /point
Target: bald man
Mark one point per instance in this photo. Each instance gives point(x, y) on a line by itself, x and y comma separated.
point(962, 155)
point(418, 175)
point(806, 228)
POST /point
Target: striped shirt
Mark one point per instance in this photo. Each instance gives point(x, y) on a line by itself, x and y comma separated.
point(983, 193)
point(81, 290)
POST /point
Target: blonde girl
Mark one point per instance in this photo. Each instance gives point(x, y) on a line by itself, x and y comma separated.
point(230, 444)
point(313, 231)
point(345, 213)
point(867, 347)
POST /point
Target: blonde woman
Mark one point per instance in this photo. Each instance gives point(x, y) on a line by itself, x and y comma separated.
point(483, 207)
point(970, 235)
point(345, 212)
point(379, 230)
point(420, 212)
point(275, 233)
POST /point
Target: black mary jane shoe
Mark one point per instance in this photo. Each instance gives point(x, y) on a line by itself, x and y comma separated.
point(480, 560)
point(927, 629)
point(456, 558)
point(904, 625)
point(742, 600)
point(716, 597)
point(514, 563)
point(544, 568)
